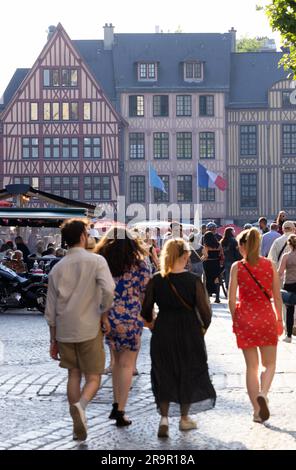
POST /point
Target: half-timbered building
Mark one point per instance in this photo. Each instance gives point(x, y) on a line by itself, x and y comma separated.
point(59, 130)
point(173, 89)
point(90, 116)
point(261, 127)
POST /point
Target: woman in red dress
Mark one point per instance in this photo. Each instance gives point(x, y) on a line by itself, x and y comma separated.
point(257, 322)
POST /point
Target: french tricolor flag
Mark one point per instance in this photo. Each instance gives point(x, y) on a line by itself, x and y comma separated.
point(209, 179)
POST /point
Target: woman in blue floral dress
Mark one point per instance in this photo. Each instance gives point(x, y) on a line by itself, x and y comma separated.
point(123, 323)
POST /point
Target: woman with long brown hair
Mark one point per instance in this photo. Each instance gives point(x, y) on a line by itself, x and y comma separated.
point(281, 218)
point(179, 371)
point(123, 323)
point(256, 321)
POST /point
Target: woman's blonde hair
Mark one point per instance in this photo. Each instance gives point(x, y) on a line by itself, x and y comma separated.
point(251, 240)
point(171, 252)
point(292, 241)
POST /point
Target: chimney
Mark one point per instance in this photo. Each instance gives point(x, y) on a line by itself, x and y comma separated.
point(233, 32)
point(108, 36)
point(50, 31)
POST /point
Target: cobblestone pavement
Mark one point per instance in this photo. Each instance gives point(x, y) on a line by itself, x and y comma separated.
point(34, 411)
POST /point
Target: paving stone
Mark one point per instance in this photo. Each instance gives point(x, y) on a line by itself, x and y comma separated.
point(228, 426)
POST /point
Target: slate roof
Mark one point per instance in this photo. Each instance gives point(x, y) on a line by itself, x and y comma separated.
point(171, 50)
point(17, 78)
point(100, 63)
point(244, 77)
point(252, 75)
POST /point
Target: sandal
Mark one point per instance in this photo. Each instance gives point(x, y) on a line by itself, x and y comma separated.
point(114, 411)
point(121, 419)
point(257, 419)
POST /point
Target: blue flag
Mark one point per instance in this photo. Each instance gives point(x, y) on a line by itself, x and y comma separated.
point(203, 177)
point(154, 180)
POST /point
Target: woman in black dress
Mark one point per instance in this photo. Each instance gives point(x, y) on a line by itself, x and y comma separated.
point(212, 264)
point(179, 375)
point(231, 252)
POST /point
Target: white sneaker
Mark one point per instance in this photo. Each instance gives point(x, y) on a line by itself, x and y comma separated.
point(287, 339)
point(163, 429)
point(79, 421)
point(187, 425)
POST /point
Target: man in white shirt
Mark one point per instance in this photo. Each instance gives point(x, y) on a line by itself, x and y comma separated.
point(80, 289)
point(94, 233)
point(280, 245)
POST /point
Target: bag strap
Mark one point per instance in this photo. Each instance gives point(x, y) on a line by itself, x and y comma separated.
point(281, 252)
point(264, 291)
point(173, 288)
point(195, 252)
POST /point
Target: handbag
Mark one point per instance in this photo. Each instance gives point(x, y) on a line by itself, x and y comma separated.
point(200, 320)
point(288, 298)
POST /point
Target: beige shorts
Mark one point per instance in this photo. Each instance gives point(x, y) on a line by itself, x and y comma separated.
point(88, 356)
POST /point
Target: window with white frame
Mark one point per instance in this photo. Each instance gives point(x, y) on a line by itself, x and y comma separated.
point(137, 188)
point(183, 105)
point(30, 147)
point(184, 145)
point(136, 106)
point(64, 186)
point(92, 147)
point(161, 145)
point(147, 71)
point(97, 188)
point(184, 188)
point(137, 146)
point(193, 71)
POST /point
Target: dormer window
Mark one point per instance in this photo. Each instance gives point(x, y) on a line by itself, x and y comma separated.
point(147, 71)
point(193, 71)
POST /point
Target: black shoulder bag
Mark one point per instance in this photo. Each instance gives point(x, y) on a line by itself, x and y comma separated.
point(193, 308)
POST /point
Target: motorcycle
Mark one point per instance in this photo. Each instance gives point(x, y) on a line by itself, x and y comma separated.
point(17, 291)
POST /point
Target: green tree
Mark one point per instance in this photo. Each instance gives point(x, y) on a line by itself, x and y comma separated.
point(246, 44)
point(282, 18)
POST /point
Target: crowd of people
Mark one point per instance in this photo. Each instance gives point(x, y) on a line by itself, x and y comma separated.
point(16, 255)
point(114, 286)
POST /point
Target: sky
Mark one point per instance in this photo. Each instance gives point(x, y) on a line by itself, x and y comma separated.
point(24, 23)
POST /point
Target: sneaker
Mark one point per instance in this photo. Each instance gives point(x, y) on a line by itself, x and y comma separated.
point(79, 421)
point(187, 425)
point(287, 339)
point(264, 410)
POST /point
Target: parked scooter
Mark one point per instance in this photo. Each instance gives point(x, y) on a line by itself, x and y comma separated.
point(20, 292)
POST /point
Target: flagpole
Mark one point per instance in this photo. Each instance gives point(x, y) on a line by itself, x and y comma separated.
point(197, 191)
point(149, 190)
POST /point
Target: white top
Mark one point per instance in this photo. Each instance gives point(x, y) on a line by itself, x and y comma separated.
point(93, 232)
point(276, 248)
point(80, 288)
